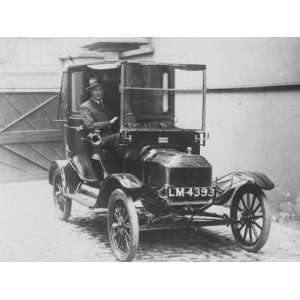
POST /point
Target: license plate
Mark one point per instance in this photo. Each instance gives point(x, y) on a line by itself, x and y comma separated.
point(192, 192)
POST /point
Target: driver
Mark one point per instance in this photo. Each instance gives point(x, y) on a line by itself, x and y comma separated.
point(96, 114)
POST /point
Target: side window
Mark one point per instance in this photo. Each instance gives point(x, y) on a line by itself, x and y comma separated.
point(77, 91)
point(65, 92)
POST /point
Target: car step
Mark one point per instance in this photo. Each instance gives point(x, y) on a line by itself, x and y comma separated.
point(83, 199)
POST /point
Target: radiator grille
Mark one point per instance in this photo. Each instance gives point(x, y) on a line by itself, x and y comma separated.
point(181, 177)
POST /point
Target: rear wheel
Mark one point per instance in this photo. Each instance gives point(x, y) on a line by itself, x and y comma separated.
point(62, 204)
point(251, 218)
point(122, 226)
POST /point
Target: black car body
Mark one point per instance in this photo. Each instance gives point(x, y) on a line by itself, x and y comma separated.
point(156, 173)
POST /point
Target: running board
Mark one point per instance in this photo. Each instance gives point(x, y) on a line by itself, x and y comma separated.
point(85, 194)
point(184, 224)
point(83, 199)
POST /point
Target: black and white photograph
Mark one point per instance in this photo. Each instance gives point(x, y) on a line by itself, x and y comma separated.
point(156, 149)
point(149, 150)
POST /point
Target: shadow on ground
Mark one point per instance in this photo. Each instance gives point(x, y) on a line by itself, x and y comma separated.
point(163, 245)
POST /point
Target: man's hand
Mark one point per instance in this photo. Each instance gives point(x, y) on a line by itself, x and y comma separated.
point(113, 120)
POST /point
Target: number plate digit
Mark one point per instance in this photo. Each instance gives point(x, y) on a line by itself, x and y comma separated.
point(204, 192)
point(211, 192)
point(197, 192)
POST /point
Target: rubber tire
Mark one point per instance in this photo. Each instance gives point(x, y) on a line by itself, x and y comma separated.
point(119, 194)
point(65, 214)
point(261, 241)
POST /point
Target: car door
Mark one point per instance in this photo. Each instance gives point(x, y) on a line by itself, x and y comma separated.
point(76, 133)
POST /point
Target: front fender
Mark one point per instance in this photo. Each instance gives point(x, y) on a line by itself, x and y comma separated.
point(236, 179)
point(229, 184)
point(126, 181)
point(260, 179)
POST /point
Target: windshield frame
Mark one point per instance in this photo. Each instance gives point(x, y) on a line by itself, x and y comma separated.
point(187, 67)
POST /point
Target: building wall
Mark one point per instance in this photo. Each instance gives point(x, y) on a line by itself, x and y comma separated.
point(34, 63)
point(236, 62)
point(256, 131)
point(231, 62)
point(250, 128)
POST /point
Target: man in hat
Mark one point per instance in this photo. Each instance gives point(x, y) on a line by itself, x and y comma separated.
point(96, 115)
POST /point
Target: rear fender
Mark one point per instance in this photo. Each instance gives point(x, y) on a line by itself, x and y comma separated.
point(68, 174)
point(127, 181)
point(57, 164)
point(228, 185)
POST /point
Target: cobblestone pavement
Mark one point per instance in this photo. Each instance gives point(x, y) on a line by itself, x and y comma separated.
point(30, 231)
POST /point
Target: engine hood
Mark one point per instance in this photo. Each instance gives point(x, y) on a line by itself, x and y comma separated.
point(175, 169)
point(176, 159)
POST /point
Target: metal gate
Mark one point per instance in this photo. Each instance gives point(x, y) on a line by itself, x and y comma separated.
point(29, 139)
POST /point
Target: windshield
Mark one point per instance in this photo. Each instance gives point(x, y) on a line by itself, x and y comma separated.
point(163, 97)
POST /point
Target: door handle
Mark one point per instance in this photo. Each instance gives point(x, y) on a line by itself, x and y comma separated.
point(77, 128)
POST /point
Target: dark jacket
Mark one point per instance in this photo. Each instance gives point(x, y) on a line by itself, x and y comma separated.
point(96, 115)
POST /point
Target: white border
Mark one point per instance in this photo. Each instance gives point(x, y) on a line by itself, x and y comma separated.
point(149, 281)
point(97, 18)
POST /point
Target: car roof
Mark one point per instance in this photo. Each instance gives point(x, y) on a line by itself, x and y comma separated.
point(117, 64)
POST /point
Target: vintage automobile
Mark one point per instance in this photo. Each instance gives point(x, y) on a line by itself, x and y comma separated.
point(155, 178)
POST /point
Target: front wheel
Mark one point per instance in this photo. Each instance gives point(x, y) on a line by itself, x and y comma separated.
point(251, 218)
point(122, 225)
point(62, 204)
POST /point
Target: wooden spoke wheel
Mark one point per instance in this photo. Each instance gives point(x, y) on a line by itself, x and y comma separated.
point(122, 226)
point(251, 218)
point(62, 204)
